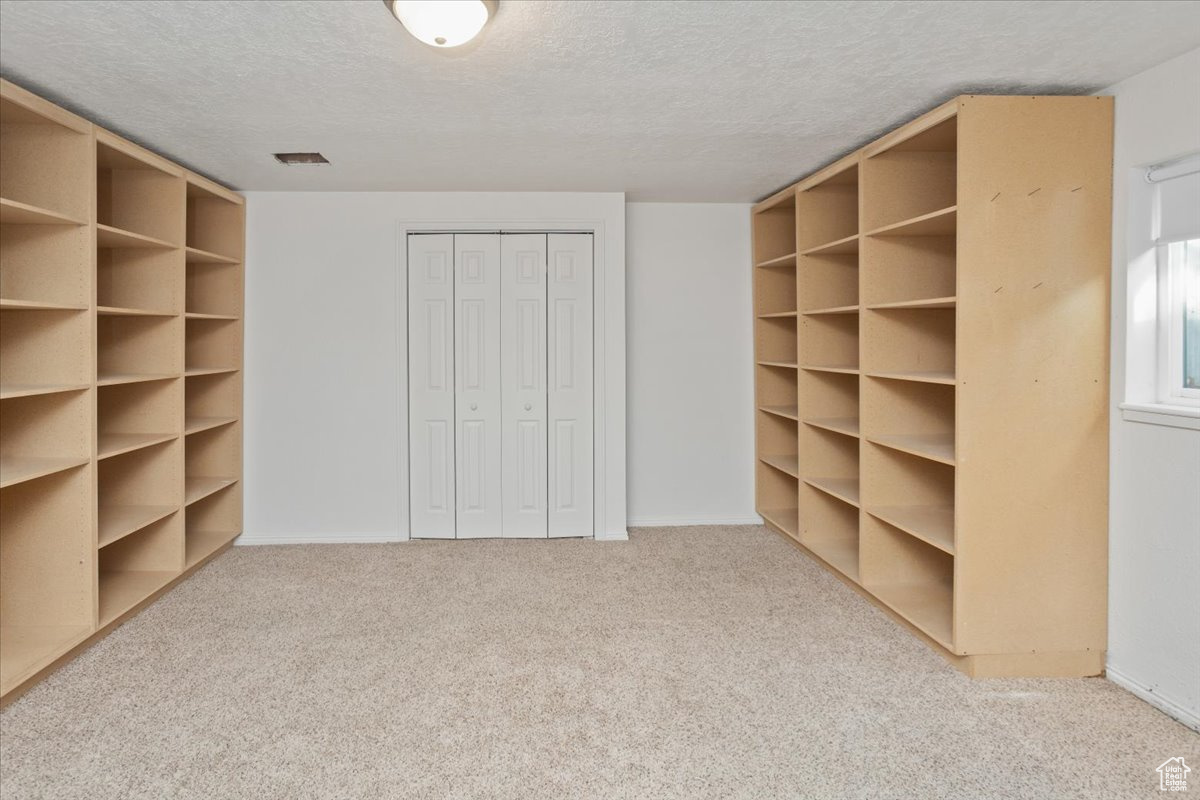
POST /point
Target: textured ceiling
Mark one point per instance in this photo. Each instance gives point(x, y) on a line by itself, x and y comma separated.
point(704, 101)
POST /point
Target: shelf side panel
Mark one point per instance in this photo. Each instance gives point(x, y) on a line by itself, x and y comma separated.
point(1034, 254)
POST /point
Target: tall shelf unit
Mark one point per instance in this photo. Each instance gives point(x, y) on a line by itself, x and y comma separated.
point(937, 437)
point(106, 250)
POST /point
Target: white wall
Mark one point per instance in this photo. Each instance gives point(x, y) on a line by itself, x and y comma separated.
point(690, 353)
point(324, 358)
point(1154, 550)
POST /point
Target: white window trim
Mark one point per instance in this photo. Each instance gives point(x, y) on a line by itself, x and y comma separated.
point(1171, 391)
point(1175, 409)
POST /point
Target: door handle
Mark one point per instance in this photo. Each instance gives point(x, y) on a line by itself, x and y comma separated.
point(474, 407)
point(529, 406)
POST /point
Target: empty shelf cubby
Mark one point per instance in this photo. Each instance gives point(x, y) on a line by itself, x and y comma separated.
point(211, 523)
point(46, 161)
point(829, 528)
point(900, 270)
point(214, 289)
point(912, 178)
point(136, 415)
point(913, 578)
point(914, 417)
point(774, 232)
point(827, 282)
point(44, 351)
point(140, 279)
point(829, 400)
point(133, 568)
point(133, 348)
point(913, 493)
point(213, 344)
point(827, 211)
point(214, 225)
point(139, 198)
point(43, 435)
point(46, 579)
point(911, 344)
point(829, 341)
point(46, 264)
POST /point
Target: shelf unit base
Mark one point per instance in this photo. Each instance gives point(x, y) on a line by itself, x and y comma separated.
point(108, 627)
point(1075, 664)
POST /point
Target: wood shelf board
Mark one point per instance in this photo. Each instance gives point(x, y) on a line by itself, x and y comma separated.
point(121, 591)
point(198, 315)
point(929, 376)
point(838, 370)
point(14, 212)
point(117, 522)
point(942, 222)
point(116, 311)
point(789, 465)
point(114, 444)
point(196, 424)
point(196, 489)
point(844, 489)
point(835, 310)
point(779, 315)
point(115, 378)
point(9, 390)
point(780, 364)
point(786, 519)
point(788, 260)
point(201, 544)
point(845, 246)
point(194, 371)
point(931, 302)
point(28, 648)
point(840, 553)
point(937, 447)
point(787, 412)
point(848, 426)
point(929, 607)
point(18, 469)
point(933, 525)
point(108, 236)
point(7, 304)
point(194, 255)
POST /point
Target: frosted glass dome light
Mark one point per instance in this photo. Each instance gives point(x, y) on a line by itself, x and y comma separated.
point(443, 23)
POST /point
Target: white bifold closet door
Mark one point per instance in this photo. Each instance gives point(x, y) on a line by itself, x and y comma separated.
point(500, 385)
point(431, 385)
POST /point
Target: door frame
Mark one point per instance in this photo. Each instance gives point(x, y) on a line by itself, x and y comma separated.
point(608, 361)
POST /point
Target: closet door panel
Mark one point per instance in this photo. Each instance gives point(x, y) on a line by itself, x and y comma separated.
point(431, 386)
point(477, 383)
point(569, 368)
point(523, 297)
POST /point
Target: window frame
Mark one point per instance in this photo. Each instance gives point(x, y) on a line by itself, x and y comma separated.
point(1171, 299)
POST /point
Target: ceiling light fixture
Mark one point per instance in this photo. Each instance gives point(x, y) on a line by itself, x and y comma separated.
point(443, 23)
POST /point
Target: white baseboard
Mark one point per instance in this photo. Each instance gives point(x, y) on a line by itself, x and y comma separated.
point(1164, 704)
point(254, 539)
point(683, 522)
point(618, 535)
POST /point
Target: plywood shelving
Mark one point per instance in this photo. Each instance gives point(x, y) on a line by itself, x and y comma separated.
point(912, 450)
point(97, 239)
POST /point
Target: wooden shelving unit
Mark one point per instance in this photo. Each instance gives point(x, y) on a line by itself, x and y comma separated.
point(941, 443)
point(99, 239)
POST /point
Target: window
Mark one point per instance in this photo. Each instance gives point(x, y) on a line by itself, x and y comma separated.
point(1179, 322)
point(1162, 336)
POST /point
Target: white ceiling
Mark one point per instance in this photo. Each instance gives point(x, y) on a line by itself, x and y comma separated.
point(679, 101)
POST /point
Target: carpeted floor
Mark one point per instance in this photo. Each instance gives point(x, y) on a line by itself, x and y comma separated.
point(689, 663)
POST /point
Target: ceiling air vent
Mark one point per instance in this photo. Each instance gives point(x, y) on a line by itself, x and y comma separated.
point(301, 159)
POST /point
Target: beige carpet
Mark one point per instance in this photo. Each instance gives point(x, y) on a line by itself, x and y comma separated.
point(689, 663)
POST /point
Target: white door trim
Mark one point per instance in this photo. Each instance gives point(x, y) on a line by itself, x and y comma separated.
point(608, 383)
